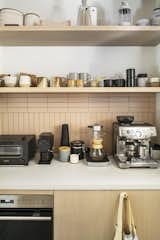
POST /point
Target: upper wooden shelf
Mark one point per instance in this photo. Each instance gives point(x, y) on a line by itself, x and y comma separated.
point(80, 36)
point(18, 90)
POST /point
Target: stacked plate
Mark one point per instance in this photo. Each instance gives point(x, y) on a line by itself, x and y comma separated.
point(11, 17)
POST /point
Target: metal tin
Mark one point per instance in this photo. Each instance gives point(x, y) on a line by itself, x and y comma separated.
point(78, 147)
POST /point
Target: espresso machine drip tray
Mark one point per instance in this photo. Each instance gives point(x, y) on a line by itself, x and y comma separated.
point(137, 163)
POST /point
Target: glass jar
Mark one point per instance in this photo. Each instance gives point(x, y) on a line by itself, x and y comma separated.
point(125, 14)
point(79, 83)
point(142, 80)
point(72, 79)
point(25, 81)
point(93, 82)
point(85, 77)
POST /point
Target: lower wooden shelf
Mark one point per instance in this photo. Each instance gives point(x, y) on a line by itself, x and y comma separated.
point(18, 90)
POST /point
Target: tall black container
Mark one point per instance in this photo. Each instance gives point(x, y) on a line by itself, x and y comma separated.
point(131, 77)
point(65, 135)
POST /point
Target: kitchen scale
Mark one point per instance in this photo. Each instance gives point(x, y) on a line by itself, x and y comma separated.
point(91, 163)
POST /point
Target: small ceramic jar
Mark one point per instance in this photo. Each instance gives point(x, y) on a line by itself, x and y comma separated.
point(32, 19)
point(25, 81)
point(10, 81)
point(74, 158)
point(154, 82)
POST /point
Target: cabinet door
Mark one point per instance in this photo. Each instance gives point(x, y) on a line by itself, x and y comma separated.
point(90, 215)
point(83, 215)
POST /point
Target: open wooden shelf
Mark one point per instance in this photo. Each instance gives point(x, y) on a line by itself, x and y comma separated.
point(17, 90)
point(80, 36)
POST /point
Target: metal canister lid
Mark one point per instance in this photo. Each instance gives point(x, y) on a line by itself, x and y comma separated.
point(64, 149)
point(77, 143)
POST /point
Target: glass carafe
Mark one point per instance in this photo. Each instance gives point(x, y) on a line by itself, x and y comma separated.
point(96, 150)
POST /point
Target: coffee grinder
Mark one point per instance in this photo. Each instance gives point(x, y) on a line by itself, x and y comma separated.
point(96, 156)
point(46, 142)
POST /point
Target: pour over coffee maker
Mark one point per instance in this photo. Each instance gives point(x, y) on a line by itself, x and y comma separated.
point(96, 156)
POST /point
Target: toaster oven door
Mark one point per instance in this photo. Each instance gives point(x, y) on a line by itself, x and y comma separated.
point(11, 154)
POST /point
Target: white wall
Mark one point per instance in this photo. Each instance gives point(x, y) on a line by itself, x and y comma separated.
point(59, 60)
point(62, 9)
point(96, 60)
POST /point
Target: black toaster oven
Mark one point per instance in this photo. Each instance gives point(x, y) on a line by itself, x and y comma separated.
point(17, 149)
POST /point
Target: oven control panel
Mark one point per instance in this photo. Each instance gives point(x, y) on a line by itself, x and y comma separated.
point(26, 201)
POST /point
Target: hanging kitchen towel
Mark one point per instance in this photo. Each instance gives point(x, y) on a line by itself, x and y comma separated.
point(119, 223)
point(134, 231)
point(125, 226)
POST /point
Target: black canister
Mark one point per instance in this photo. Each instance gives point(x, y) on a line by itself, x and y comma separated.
point(78, 147)
point(65, 136)
point(131, 77)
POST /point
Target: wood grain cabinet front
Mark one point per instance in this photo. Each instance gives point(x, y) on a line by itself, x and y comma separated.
point(90, 215)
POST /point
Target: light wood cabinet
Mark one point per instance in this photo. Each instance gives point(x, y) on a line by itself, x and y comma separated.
point(90, 215)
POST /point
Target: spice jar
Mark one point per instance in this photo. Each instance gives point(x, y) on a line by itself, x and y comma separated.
point(71, 83)
point(42, 82)
point(72, 79)
point(86, 79)
point(56, 82)
point(80, 83)
point(93, 82)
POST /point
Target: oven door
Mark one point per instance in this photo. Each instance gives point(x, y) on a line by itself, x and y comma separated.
point(27, 224)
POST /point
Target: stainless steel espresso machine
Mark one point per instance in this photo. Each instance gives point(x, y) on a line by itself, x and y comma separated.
point(132, 143)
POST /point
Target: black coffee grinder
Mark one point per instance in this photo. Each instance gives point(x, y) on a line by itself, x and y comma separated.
point(46, 142)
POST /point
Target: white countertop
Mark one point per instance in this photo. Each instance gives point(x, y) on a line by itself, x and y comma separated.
point(65, 176)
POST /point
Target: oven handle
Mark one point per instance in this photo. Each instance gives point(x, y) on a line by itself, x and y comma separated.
point(26, 218)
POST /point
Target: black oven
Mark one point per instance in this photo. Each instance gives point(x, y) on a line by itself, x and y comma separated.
point(26, 217)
